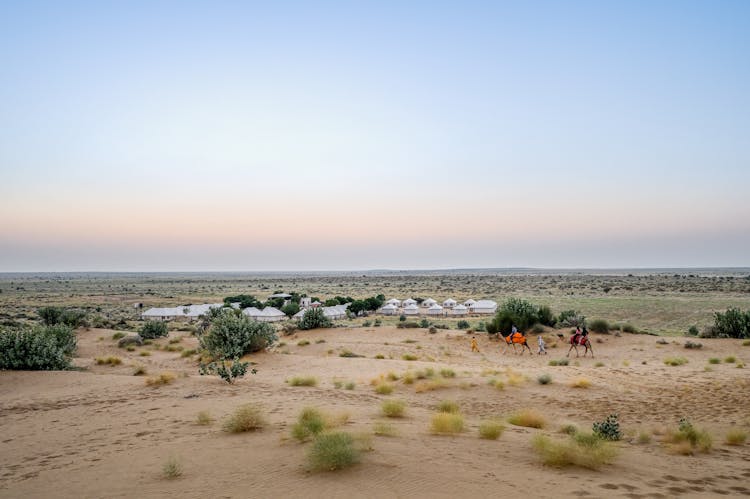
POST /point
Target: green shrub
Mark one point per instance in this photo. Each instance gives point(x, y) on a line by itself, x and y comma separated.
point(402, 318)
point(599, 326)
point(231, 336)
point(688, 439)
point(570, 318)
point(118, 335)
point(731, 324)
point(730, 360)
point(366, 324)
point(491, 429)
point(332, 451)
point(609, 429)
point(314, 318)
point(50, 315)
point(393, 408)
point(309, 423)
point(462, 324)
point(246, 418)
point(693, 331)
point(675, 361)
point(378, 323)
point(229, 373)
point(40, 348)
point(544, 379)
point(714, 360)
point(153, 329)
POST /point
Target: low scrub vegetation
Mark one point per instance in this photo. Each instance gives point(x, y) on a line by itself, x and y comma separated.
point(164, 378)
point(675, 361)
point(582, 450)
point(693, 345)
point(39, 348)
point(445, 423)
point(688, 439)
point(528, 418)
point(599, 326)
point(332, 451)
point(393, 408)
point(349, 355)
point(430, 385)
point(172, 468)
point(303, 381)
point(734, 323)
point(153, 329)
point(609, 429)
point(558, 362)
point(408, 356)
point(231, 336)
point(314, 318)
point(736, 436)
point(111, 361)
point(384, 388)
point(383, 429)
point(491, 429)
point(228, 371)
point(544, 379)
point(447, 373)
point(310, 422)
point(204, 418)
point(580, 383)
point(449, 406)
point(248, 417)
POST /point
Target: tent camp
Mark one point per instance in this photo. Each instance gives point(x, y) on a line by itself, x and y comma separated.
point(412, 309)
point(435, 310)
point(389, 309)
point(459, 310)
point(428, 303)
point(270, 314)
point(449, 303)
point(484, 307)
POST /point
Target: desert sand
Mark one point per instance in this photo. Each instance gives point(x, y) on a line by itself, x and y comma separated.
point(101, 432)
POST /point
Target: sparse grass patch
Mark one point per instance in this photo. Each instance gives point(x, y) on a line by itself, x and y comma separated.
point(408, 378)
point(130, 348)
point(448, 406)
point(204, 418)
point(444, 423)
point(544, 379)
point(569, 429)
point(380, 356)
point(429, 385)
point(688, 439)
point(599, 364)
point(177, 339)
point(118, 335)
point(332, 451)
point(514, 378)
point(558, 362)
point(730, 360)
point(426, 373)
point(391, 376)
point(447, 373)
point(382, 429)
point(491, 429)
point(528, 418)
point(110, 361)
point(303, 343)
point(714, 360)
point(349, 355)
point(171, 468)
point(350, 385)
point(675, 361)
point(164, 378)
point(303, 381)
point(736, 436)
point(310, 422)
point(644, 437)
point(408, 356)
point(383, 388)
point(248, 417)
point(321, 340)
point(393, 408)
point(188, 353)
point(139, 371)
point(580, 383)
point(582, 450)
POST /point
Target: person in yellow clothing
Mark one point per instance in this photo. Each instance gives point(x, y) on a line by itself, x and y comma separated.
point(474, 347)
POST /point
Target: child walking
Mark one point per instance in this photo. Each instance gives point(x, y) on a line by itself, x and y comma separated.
point(542, 350)
point(474, 347)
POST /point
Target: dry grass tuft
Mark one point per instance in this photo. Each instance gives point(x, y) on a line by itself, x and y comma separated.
point(204, 418)
point(528, 418)
point(675, 361)
point(384, 388)
point(449, 406)
point(491, 429)
point(172, 468)
point(444, 423)
point(580, 383)
point(688, 439)
point(582, 450)
point(248, 417)
point(447, 373)
point(139, 371)
point(408, 356)
point(111, 361)
point(736, 436)
point(310, 422)
point(303, 381)
point(430, 385)
point(333, 451)
point(393, 408)
point(164, 378)
point(382, 429)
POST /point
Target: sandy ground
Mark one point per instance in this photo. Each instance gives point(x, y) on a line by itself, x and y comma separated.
point(102, 432)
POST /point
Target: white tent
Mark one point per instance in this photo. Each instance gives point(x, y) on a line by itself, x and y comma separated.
point(394, 301)
point(271, 314)
point(412, 309)
point(449, 303)
point(252, 312)
point(408, 302)
point(389, 309)
point(469, 303)
point(459, 310)
point(428, 303)
point(161, 314)
point(435, 310)
point(335, 312)
point(298, 316)
point(484, 307)
point(195, 311)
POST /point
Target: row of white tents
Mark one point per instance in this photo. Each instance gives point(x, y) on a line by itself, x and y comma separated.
point(431, 307)
point(268, 314)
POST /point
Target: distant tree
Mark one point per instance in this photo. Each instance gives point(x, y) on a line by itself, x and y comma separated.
point(314, 318)
point(290, 308)
point(50, 315)
point(357, 307)
point(153, 329)
point(231, 336)
point(331, 302)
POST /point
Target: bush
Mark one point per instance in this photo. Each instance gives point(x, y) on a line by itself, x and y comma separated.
point(446, 423)
point(424, 323)
point(231, 336)
point(402, 318)
point(689, 439)
point(693, 345)
point(332, 451)
point(41, 348)
point(153, 329)
point(463, 325)
point(384, 388)
point(609, 429)
point(407, 325)
point(580, 383)
point(448, 406)
point(408, 356)
point(204, 418)
point(303, 381)
point(246, 418)
point(432, 330)
point(544, 379)
point(527, 418)
point(393, 408)
point(309, 423)
point(545, 317)
point(714, 360)
point(50, 315)
point(570, 318)
point(491, 430)
point(229, 373)
point(732, 324)
point(675, 361)
point(350, 355)
point(172, 468)
point(580, 450)
point(164, 378)
point(447, 373)
point(384, 429)
point(599, 326)
point(693, 331)
point(730, 360)
point(314, 318)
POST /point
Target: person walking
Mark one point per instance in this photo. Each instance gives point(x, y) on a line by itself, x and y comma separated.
point(474, 347)
point(542, 350)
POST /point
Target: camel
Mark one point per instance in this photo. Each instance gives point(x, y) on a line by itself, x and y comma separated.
point(580, 340)
point(518, 338)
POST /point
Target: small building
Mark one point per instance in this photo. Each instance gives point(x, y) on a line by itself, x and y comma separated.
point(408, 301)
point(411, 309)
point(435, 310)
point(449, 303)
point(336, 312)
point(252, 312)
point(389, 309)
point(305, 302)
point(469, 304)
point(484, 307)
point(161, 314)
point(394, 301)
point(459, 310)
point(428, 303)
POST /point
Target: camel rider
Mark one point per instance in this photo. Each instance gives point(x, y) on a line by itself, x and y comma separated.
point(513, 333)
point(576, 335)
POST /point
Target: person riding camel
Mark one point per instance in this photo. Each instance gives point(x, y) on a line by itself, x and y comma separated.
point(576, 336)
point(513, 333)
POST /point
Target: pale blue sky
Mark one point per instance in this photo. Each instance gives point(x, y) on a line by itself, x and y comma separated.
point(295, 136)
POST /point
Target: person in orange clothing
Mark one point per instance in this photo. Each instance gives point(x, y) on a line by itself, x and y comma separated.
point(474, 347)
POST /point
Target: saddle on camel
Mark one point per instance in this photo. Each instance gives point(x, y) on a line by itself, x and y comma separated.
point(516, 338)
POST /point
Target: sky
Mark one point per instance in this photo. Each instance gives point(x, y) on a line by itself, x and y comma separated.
point(199, 136)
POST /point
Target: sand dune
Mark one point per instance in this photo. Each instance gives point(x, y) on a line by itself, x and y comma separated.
point(102, 432)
